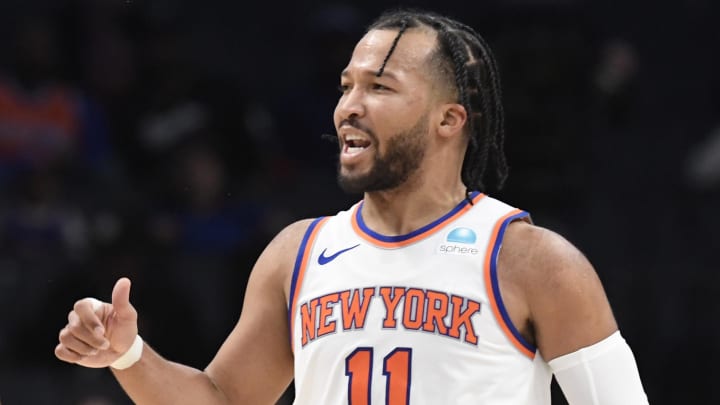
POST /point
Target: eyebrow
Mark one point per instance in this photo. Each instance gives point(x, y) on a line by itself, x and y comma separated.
point(367, 72)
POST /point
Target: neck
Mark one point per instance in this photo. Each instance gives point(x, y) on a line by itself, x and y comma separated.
point(406, 208)
point(430, 192)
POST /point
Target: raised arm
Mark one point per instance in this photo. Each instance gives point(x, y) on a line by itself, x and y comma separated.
point(558, 302)
point(254, 365)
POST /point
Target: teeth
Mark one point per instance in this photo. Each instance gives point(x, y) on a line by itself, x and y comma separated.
point(354, 149)
point(354, 137)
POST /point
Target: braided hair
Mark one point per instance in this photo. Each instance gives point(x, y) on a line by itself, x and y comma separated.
point(464, 61)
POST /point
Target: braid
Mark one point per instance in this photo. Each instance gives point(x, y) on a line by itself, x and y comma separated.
point(476, 154)
point(498, 128)
point(403, 27)
point(466, 61)
point(460, 59)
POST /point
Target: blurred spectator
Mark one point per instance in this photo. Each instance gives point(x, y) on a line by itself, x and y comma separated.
point(53, 151)
point(206, 216)
point(45, 122)
point(208, 234)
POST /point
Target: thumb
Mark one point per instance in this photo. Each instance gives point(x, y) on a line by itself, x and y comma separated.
point(121, 298)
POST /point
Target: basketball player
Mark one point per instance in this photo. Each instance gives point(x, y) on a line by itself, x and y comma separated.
point(425, 292)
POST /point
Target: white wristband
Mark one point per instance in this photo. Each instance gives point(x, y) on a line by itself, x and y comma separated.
point(602, 373)
point(131, 356)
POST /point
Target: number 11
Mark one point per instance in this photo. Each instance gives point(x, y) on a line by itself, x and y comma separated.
point(396, 369)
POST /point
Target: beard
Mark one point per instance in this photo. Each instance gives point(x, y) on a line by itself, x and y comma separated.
point(402, 157)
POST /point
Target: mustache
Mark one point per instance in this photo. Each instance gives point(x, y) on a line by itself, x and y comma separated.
point(350, 122)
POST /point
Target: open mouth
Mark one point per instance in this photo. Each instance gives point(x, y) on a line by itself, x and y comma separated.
point(355, 144)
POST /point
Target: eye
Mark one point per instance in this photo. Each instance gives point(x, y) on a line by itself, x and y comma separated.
point(378, 86)
point(343, 88)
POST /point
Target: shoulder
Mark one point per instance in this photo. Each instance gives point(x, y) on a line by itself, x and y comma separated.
point(278, 259)
point(291, 236)
point(565, 301)
point(540, 252)
point(284, 246)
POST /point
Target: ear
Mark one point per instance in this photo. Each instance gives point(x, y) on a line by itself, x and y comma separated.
point(453, 120)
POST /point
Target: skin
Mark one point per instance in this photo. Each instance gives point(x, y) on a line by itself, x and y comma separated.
point(550, 290)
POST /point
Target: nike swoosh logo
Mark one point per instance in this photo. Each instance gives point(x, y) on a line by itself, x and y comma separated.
point(323, 260)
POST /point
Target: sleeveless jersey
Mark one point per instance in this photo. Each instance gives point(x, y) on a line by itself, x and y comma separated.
point(412, 319)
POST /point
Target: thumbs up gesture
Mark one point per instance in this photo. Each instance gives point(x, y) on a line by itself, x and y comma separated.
point(98, 333)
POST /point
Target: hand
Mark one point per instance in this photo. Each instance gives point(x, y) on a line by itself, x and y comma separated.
point(96, 337)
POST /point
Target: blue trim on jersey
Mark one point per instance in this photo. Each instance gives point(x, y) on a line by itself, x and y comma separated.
point(402, 238)
point(496, 284)
point(296, 269)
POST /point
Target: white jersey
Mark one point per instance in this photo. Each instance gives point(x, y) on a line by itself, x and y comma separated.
point(412, 319)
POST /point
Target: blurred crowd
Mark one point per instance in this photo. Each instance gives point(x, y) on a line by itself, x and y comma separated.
point(169, 141)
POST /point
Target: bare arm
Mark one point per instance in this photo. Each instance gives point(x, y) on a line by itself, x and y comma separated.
point(552, 292)
point(155, 380)
point(254, 365)
point(558, 300)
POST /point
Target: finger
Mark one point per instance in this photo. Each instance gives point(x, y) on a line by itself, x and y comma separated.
point(85, 333)
point(84, 308)
point(96, 305)
point(75, 344)
point(121, 299)
point(64, 354)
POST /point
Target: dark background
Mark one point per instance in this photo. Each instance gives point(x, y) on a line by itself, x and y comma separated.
point(168, 141)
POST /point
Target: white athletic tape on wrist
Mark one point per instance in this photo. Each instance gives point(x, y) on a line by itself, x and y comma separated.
point(131, 356)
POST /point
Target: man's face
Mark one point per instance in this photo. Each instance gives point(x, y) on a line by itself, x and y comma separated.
point(382, 122)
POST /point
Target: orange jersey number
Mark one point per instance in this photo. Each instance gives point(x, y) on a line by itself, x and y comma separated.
point(396, 369)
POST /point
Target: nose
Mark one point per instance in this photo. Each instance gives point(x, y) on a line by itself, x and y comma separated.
point(350, 105)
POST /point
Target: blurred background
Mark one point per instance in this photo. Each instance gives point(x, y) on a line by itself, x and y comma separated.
point(169, 140)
